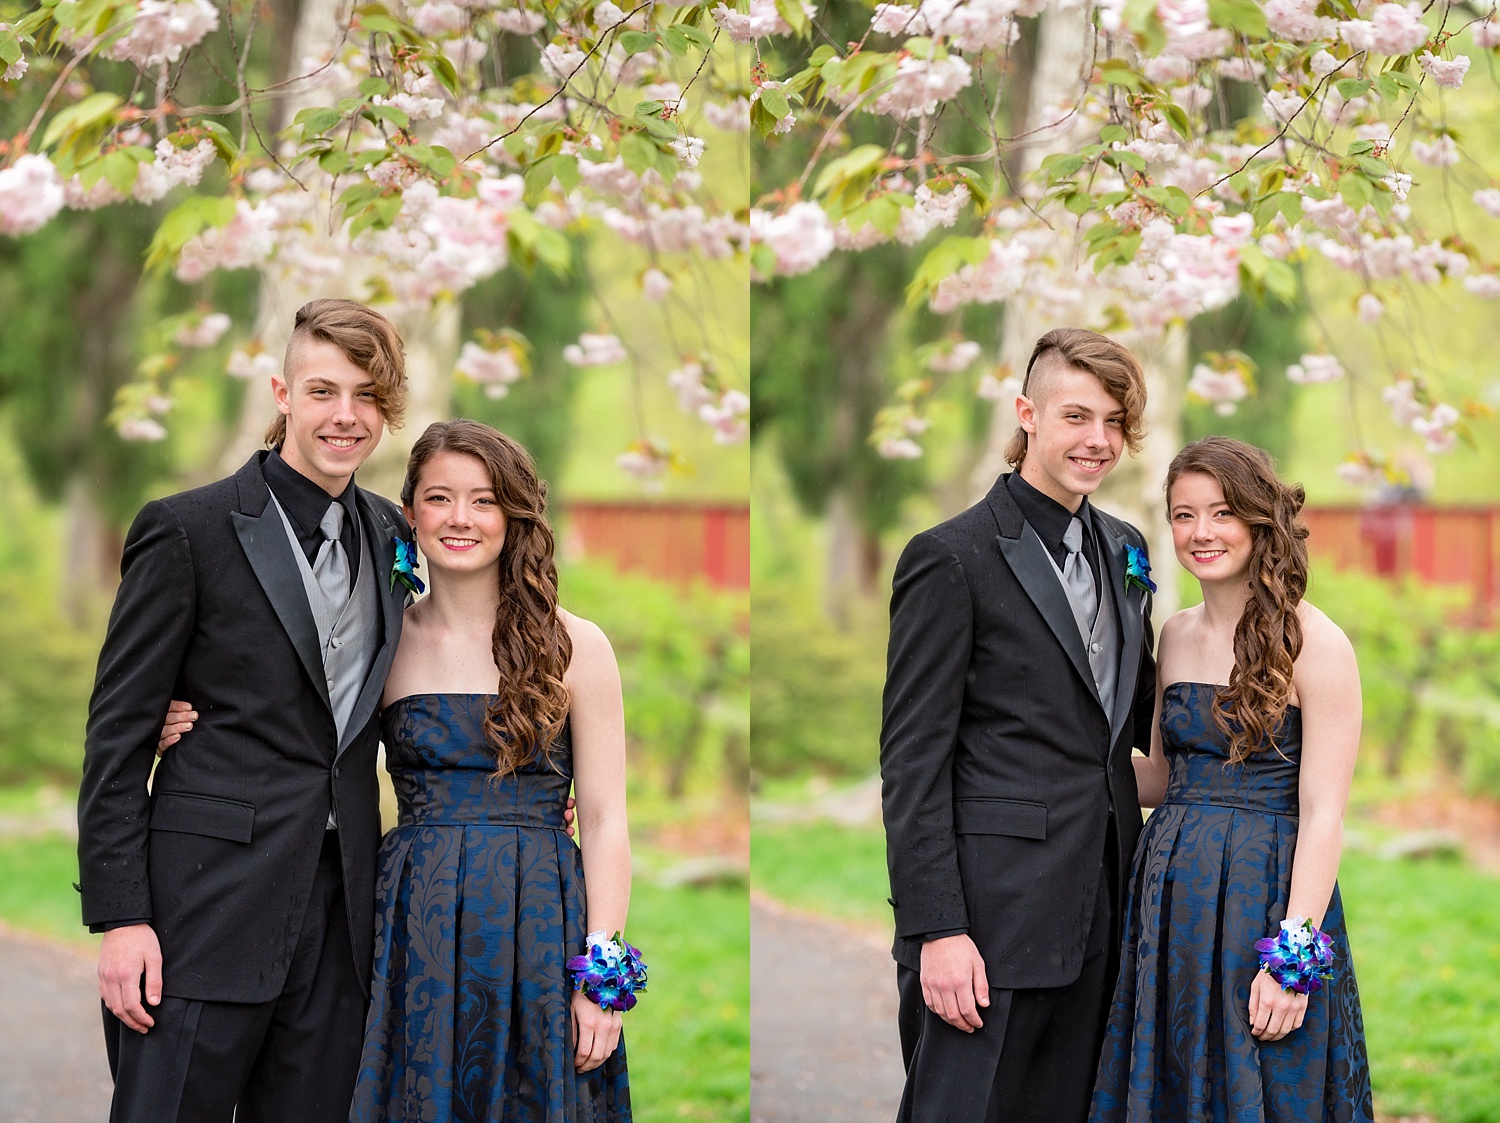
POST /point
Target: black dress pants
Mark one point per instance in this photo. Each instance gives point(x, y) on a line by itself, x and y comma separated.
point(1036, 1057)
point(290, 1060)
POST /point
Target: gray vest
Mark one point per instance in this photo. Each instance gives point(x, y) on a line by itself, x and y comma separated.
point(350, 638)
point(1102, 639)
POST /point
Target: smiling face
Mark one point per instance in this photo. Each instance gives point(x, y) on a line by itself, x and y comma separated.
point(1211, 541)
point(332, 420)
point(460, 526)
point(1075, 434)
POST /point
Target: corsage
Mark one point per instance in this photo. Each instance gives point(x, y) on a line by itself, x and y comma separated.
point(610, 972)
point(1299, 957)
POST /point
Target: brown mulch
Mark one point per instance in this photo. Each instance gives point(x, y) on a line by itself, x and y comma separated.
point(1475, 820)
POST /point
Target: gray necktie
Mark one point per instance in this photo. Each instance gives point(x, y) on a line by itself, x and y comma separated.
point(331, 567)
point(1079, 579)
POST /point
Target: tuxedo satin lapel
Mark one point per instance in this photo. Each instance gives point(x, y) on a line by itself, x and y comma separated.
point(270, 552)
point(381, 534)
point(1130, 610)
point(1028, 560)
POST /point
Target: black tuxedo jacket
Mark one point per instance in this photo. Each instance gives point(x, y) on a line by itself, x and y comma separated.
point(220, 855)
point(1000, 766)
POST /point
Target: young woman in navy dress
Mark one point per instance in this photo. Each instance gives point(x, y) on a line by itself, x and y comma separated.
point(1258, 708)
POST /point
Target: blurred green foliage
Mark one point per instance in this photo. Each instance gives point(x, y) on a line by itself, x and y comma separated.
point(685, 665)
point(816, 689)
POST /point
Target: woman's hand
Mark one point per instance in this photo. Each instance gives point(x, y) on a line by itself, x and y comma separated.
point(596, 1032)
point(179, 720)
point(1274, 1012)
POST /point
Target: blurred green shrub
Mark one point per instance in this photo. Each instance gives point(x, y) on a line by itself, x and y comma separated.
point(816, 690)
point(685, 666)
point(1431, 689)
point(46, 674)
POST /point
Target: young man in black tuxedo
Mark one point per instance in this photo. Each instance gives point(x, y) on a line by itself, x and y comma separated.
point(236, 896)
point(1019, 678)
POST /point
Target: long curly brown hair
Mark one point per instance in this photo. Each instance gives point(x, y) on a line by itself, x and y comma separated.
point(531, 643)
point(1268, 637)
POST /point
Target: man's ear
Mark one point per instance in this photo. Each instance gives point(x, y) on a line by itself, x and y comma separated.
point(1026, 413)
point(281, 391)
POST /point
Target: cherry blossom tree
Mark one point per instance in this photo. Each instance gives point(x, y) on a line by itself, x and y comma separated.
point(400, 155)
point(1173, 156)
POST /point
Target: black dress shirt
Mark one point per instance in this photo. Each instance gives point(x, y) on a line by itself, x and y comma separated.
point(305, 504)
point(1050, 520)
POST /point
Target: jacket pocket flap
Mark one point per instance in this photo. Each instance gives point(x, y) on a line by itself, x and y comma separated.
point(1016, 817)
point(203, 814)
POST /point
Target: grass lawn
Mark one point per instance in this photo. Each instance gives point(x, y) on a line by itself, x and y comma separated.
point(1426, 940)
point(688, 1040)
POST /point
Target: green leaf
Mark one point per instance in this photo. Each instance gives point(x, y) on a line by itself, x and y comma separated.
point(540, 175)
point(1244, 16)
point(1111, 134)
point(649, 108)
point(637, 152)
point(537, 242)
point(1350, 88)
point(634, 42)
point(317, 120)
point(120, 168)
point(1078, 202)
point(775, 102)
point(335, 161)
point(10, 48)
point(224, 142)
point(357, 196)
point(374, 86)
point(1125, 156)
point(1117, 73)
point(1362, 148)
point(1177, 117)
point(1061, 165)
point(1281, 281)
point(1356, 190)
point(92, 110)
point(388, 113)
point(442, 67)
point(761, 120)
point(824, 52)
point(1100, 232)
point(795, 16)
point(943, 260)
point(185, 221)
point(979, 187)
point(852, 165)
point(675, 40)
point(696, 35)
point(379, 214)
point(1375, 169)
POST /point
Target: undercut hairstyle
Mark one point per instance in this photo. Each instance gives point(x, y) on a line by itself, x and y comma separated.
point(531, 644)
point(1117, 370)
point(1268, 637)
point(367, 339)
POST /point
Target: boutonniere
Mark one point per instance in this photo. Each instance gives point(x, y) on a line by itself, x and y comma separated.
point(1137, 570)
point(404, 568)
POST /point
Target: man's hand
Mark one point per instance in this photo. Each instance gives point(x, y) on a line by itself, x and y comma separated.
point(1274, 1012)
point(180, 718)
point(596, 1032)
point(953, 981)
point(127, 954)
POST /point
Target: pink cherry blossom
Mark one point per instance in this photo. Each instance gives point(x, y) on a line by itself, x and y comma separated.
point(1001, 391)
point(173, 167)
point(162, 29)
point(205, 333)
point(15, 71)
point(1437, 428)
point(1440, 153)
point(31, 194)
point(1488, 200)
point(1296, 20)
point(692, 395)
point(1486, 285)
point(955, 358)
point(921, 85)
point(518, 21)
point(437, 17)
point(899, 448)
point(256, 367)
point(761, 21)
point(1315, 368)
point(655, 285)
point(898, 19)
point(1392, 29)
point(998, 277)
point(1223, 389)
point(800, 238)
point(1370, 308)
point(594, 350)
point(1487, 34)
point(141, 429)
point(494, 370)
point(689, 150)
point(1446, 73)
point(1401, 397)
point(730, 117)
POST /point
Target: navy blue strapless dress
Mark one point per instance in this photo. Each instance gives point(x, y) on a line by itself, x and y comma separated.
point(479, 904)
point(1211, 876)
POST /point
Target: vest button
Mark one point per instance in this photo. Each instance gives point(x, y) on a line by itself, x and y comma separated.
point(335, 642)
point(1093, 647)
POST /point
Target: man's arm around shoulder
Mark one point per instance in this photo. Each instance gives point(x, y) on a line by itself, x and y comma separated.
point(148, 634)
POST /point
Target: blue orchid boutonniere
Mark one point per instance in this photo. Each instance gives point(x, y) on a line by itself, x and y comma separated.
point(404, 568)
point(1138, 570)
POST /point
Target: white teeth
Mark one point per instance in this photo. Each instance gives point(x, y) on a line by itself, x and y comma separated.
point(459, 541)
point(341, 442)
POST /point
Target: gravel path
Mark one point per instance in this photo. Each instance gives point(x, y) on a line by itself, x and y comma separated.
point(823, 1043)
point(52, 1063)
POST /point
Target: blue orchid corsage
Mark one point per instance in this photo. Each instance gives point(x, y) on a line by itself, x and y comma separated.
point(404, 568)
point(610, 972)
point(1138, 570)
point(1298, 957)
